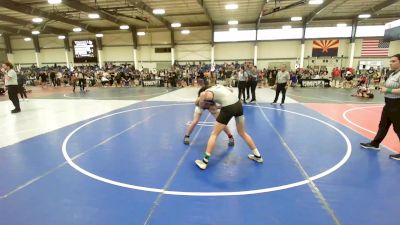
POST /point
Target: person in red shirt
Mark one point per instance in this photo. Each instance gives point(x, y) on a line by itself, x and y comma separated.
point(336, 77)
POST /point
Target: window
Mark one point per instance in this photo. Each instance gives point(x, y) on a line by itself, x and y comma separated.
point(370, 31)
point(327, 32)
point(280, 34)
point(229, 36)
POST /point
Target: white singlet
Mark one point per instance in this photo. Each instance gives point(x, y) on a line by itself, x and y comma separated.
point(223, 95)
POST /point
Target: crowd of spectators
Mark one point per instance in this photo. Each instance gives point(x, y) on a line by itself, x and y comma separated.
point(188, 75)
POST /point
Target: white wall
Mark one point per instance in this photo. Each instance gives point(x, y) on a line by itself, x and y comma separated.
point(278, 49)
point(195, 36)
point(147, 53)
point(193, 52)
point(155, 38)
point(3, 55)
point(24, 56)
point(123, 38)
point(2, 44)
point(234, 51)
point(19, 43)
point(266, 63)
point(394, 48)
point(52, 55)
point(111, 54)
point(385, 61)
point(51, 42)
point(118, 47)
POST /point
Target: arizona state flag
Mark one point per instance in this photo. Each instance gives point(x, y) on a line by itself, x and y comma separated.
point(325, 48)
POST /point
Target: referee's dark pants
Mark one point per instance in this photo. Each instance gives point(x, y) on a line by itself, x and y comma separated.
point(280, 87)
point(253, 86)
point(13, 95)
point(248, 86)
point(22, 91)
point(81, 83)
point(242, 89)
point(390, 115)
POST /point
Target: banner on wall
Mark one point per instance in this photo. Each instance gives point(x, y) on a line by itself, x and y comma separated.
point(374, 47)
point(323, 48)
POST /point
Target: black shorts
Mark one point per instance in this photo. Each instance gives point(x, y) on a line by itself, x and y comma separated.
point(227, 112)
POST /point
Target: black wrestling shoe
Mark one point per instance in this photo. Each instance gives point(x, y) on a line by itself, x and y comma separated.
point(395, 156)
point(369, 146)
point(15, 111)
point(186, 140)
point(231, 142)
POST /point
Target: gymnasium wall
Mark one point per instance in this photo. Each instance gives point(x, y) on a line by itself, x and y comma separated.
point(2, 45)
point(193, 52)
point(3, 55)
point(394, 48)
point(234, 51)
point(118, 47)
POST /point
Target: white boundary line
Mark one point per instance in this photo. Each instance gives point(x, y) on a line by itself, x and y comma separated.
point(184, 193)
point(202, 123)
point(107, 98)
point(332, 100)
point(344, 115)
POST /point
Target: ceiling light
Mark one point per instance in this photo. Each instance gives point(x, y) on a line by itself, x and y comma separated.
point(141, 33)
point(37, 20)
point(233, 29)
point(61, 37)
point(99, 35)
point(231, 6)
point(341, 25)
point(77, 29)
point(296, 18)
point(27, 39)
point(54, 1)
point(285, 27)
point(233, 22)
point(175, 25)
point(315, 2)
point(124, 27)
point(364, 16)
point(185, 32)
point(35, 32)
point(158, 11)
point(93, 16)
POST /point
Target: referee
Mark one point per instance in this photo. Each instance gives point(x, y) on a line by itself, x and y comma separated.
point(391, 110)
point(282, 83)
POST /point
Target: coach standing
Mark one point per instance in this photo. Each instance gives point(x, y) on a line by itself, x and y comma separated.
point(12, 85)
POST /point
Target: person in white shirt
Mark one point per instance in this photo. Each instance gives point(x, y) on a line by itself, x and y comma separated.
point(12, 85)
point(391, 110)
point(282, 83)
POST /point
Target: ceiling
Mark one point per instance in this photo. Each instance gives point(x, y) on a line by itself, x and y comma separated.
point(16, 15)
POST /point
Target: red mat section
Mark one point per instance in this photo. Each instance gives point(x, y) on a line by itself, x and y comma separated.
point(362, 118)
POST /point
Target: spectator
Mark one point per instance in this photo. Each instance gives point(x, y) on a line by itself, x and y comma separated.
point(11, 85)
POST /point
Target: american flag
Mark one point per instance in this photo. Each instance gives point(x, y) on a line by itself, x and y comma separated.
point(374, 47)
